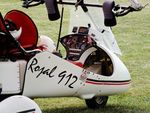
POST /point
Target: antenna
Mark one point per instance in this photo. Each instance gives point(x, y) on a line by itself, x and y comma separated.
point(60, 27)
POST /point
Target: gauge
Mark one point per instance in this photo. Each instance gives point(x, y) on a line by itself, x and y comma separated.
point(83, 30)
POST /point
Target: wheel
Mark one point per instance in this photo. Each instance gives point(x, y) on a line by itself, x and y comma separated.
point(96, 102)
point(3, 97)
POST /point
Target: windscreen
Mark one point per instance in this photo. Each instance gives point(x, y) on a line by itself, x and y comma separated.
point(93, 18)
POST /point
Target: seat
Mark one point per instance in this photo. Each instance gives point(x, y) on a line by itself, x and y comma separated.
point(29, 35)
point(2, 25)
point(3, 37)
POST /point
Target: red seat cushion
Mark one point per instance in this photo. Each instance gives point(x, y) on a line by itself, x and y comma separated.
point(77, 63)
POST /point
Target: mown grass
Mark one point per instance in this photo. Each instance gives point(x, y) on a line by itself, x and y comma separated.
point(133, 36)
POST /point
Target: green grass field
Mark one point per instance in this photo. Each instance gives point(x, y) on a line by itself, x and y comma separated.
point(133, 36)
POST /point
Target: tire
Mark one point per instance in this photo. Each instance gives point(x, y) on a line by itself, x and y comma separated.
point(3, 97)
point(96, 102)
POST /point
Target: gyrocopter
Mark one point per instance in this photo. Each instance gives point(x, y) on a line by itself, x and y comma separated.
point(31, 66)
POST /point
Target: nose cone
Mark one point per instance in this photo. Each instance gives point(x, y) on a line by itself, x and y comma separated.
point(121, 75)
point(120, 70)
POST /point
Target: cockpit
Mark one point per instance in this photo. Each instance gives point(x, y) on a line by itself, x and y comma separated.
point(75, 44)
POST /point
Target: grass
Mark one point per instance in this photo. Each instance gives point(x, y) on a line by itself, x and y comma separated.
point(133, 36)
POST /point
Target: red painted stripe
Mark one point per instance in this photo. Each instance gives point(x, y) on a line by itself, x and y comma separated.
point(108, 83)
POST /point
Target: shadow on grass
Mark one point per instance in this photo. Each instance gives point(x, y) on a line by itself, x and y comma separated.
point(107, 109)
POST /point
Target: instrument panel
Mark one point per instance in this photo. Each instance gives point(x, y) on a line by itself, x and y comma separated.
point(80, 30)
point(75, 44)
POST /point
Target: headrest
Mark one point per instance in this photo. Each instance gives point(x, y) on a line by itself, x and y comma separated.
point(52, 9)
point(109, 17)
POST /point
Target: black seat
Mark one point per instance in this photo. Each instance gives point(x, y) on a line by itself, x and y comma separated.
point(0, 88)
point(4, 38)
